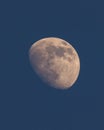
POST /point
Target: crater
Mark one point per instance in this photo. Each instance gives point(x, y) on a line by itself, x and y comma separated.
point(64, 43)
point(69, 59)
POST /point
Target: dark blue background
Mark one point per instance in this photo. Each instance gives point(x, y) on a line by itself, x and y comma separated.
point(27, 103)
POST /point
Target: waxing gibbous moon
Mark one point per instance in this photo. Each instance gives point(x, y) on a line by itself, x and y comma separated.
point(55, 61)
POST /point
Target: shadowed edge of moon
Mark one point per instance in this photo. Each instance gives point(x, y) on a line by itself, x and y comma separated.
point(48, 75)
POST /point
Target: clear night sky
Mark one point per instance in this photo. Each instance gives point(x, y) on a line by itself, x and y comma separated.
point(26, 102)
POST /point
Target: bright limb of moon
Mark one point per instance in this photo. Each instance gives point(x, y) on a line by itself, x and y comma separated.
point(55, 61)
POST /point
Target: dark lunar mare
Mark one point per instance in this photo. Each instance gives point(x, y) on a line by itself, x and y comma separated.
point(54, 62)
point(70, 51)
point(58, 51)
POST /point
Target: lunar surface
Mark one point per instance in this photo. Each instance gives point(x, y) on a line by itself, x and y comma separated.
point(55, 61)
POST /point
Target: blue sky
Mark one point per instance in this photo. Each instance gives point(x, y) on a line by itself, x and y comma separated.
point(27, 103)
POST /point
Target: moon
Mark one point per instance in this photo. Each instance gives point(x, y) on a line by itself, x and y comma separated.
point(55, 61)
